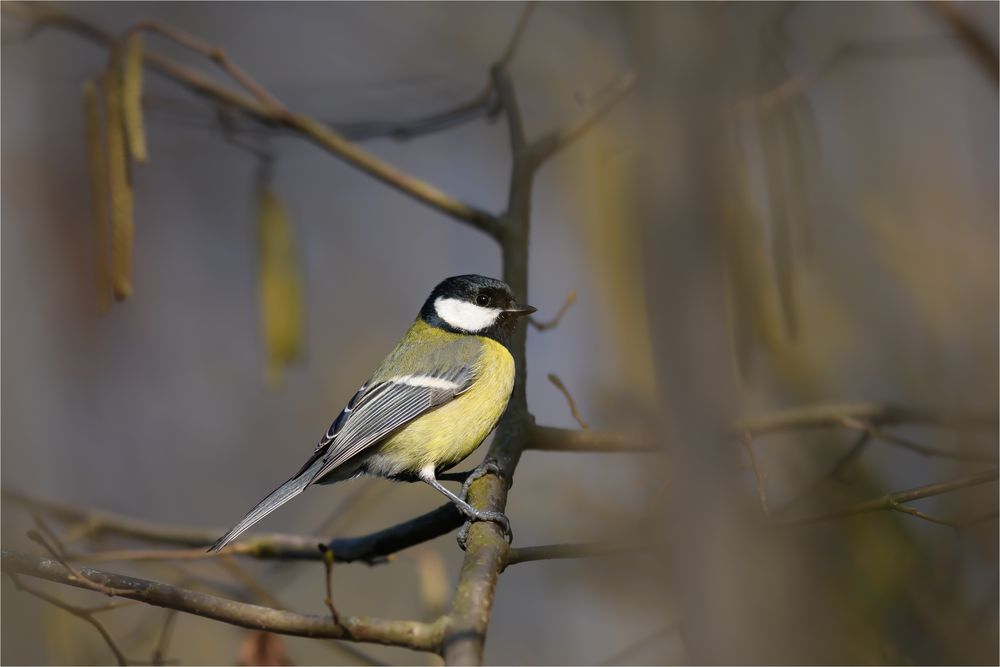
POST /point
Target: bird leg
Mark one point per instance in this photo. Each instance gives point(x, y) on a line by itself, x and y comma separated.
point(471, 513)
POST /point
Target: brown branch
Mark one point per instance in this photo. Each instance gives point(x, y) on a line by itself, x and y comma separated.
point(85, 614)
point(880, 414)
point(619, 658)
point(216, 55)
point(370, 548)
point(895, 501)
point(517, 555)
point(554, 322)
point(310, 128)
point(759, 476)
point(864, 427)
point(328, 582)
point(975, 40)
point(485, 103)
point(555, 140)
point(558, 383)
point(407, 634)
point(551, 439)
point(797, 84)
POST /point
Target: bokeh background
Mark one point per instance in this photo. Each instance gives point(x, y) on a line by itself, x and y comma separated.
point(796, 204)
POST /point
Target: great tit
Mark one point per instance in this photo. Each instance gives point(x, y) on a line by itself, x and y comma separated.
point(429, 405)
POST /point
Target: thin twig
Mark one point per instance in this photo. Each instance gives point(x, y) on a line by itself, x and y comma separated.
point(895, 501)
point(864, 427)
point(759, 476)
point(328, 568)
point(517, 555)
point(84, 614)
point(316, 131)
point(835, 471)
point(975, 40)
point(485, 103)
point(216, 55)
point(823, 415)
point(558, 383)
point(371, 548)
point(619, 657)
point(166, 634)
point(407, 634)
point(551, 439)
point(554, 322)
point(555, 140)
point(56, 550)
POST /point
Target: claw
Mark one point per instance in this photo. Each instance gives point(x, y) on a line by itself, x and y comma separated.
point(485, 515)
point(488, 467)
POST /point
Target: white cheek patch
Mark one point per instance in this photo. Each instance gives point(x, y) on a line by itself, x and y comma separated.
point(464, 315)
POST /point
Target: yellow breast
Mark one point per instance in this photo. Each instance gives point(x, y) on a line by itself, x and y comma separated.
point(446, 435)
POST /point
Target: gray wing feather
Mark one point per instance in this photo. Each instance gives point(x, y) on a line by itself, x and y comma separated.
point(379, 407)
point(393, 405)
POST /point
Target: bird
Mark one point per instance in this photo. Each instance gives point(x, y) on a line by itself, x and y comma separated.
point(427, 406)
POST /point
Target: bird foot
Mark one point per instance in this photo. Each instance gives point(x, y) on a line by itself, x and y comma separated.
point(498, 518)
point(487, 467)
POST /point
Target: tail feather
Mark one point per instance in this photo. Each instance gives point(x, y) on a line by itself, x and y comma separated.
point(273, 501)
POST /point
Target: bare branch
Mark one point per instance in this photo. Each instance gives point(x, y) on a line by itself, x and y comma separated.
point(517, 555)
point(880, 414)
point(758, 474)
point(485, 103)
point(370, 548)
point(558, 383)
point(973, 38)
point(310, 128)
point(515, 37)
point(216, 55)
point(864, 427)
point(407, 634)
point(328, 568)
point(895, 501)
point(619, 657)
point(551, 439)
point(797, 84)
point(555, 140)
point(85, 614)
point(554, 322)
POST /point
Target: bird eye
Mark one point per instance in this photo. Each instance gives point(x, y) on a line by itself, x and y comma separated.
point(482, 300)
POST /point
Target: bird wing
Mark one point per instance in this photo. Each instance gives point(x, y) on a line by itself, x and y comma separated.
point(382, 406)
point(412, 380)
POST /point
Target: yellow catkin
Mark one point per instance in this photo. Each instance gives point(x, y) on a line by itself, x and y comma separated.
point(98, 168)
point(135, 130)
point(280, 286)
point(122, 226)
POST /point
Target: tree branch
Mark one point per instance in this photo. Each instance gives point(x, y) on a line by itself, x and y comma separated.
point(895, 501)
point(310, 128)
point(574, 410)
point(85, 614)
point(369, 548)
point(973, 38)
point(485, 103)
point(554, 322)
point(407, 634)
point(881, 414)
point(551, 439)
point(517, 555)
point(555, 140)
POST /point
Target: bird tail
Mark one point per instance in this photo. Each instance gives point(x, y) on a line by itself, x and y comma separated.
point(273, 501)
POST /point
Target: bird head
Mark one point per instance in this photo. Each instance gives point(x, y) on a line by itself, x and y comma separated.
point(473, 304)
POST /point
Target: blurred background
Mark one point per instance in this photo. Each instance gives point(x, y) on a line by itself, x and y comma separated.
point(797, 204)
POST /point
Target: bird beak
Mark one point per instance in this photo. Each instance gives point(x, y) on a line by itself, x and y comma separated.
point(519, 309)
